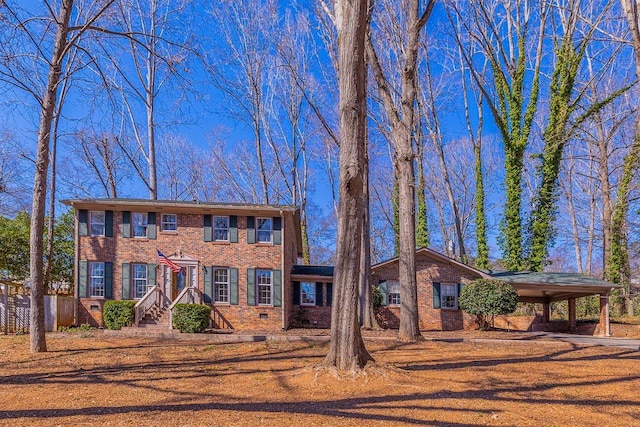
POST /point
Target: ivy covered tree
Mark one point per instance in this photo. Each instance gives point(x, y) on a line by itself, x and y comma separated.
point(486, 298)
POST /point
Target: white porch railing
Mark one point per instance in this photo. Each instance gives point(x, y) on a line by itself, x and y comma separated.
point(152, 298)
point(188, 295)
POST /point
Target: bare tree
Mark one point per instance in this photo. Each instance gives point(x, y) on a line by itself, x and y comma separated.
point(239, 68)
point(53, 51)
point(427, 101)
point(401, 115)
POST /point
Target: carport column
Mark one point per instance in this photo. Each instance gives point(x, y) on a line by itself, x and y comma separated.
point(604, 315)
point(572, 314)
point(546, 312)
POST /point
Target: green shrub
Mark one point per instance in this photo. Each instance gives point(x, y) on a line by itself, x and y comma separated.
point(486, 298)
point(191, 317)
point(377, 297)
point(117, 314)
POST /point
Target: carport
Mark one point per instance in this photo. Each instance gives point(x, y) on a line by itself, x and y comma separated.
point(546, 288)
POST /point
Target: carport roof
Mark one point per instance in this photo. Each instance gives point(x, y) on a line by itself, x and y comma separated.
point(547, 287)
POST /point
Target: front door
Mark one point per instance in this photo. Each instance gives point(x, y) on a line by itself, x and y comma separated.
point(177, 281)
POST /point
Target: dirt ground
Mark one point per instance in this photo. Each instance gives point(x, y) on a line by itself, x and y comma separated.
point(90, 379)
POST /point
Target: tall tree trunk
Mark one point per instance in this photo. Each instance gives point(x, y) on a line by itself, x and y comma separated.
point(347, 351)
point(395, 205)
point(618, 267)
point(402, 119)
point(150, 104)
point(568, 190)
point(422, 227)
point(306, 252)
point(37, 333)
point(482, 259)
point(367, 314)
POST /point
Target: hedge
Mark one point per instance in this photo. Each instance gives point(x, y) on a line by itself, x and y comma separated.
point(191, 318)
point(117, 314)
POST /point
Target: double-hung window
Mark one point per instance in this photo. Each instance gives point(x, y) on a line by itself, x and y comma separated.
point(96, 279)
point(97, 223)
point(169, 222)
point(449, 296)
point(264, 280)
point(394, 292)
point(221, 284)
point(307, 293)
point(140, 224)
point(140, 283)
point(221, 228)
point(265, 230)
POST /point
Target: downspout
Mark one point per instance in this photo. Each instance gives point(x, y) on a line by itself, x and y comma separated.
point(76, 258)
point(607, 329)
point(282, 285)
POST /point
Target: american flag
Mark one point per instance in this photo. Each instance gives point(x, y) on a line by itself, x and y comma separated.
point(166, 261)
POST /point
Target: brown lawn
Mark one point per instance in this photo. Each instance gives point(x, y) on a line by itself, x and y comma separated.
point(90, 379)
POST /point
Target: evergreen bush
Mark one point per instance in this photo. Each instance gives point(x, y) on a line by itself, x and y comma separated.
point(191, 318)
point(117, 314)
point(486, 298)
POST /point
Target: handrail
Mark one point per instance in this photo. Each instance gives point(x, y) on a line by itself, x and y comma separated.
point(194, 296)
point(150, 299)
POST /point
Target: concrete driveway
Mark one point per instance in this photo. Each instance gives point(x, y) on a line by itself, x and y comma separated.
point(628, 343)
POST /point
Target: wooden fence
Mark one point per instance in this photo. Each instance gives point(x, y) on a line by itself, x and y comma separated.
point(15, 304)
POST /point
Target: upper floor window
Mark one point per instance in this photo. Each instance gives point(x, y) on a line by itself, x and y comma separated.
point(221, 228)
point(140, 222)
point(265, 230)
point(307, 293)
point(169, 222)
point(96, 279)
point(97, 223)
point(394, 292)
point(264, 279)
point(449, 296)
point(221, 284)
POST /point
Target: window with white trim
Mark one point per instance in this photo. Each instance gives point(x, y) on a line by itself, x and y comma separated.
point(307, 293)
point(221, 284)
point(140, 283)
point(169, 222)
point(449, 296)
point(393, 289)
point(264, 281)
point(221, 228)
point(96, 279)
point(265, 230)
point(96, 219)
point(140, 223)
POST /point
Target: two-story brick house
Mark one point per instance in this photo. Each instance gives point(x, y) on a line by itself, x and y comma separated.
point(241, 260)
point(240, 257)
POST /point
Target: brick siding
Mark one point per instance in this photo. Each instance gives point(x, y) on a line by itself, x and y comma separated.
point(428, 271)
point(189, 241)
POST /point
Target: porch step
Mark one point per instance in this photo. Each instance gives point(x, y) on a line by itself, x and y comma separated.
point(156, 318)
